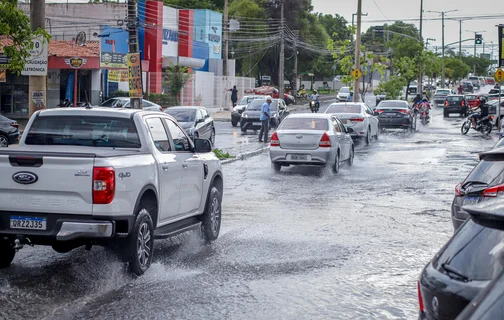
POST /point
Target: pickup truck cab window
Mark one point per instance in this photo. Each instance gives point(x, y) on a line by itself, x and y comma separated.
point(158, 134)
point(180, 140)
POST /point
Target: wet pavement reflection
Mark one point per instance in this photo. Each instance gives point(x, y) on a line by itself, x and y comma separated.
point(300, 244)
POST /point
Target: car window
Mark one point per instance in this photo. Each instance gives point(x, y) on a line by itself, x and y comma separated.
point(146, 103)
point(342, 126)
point(368, 110)
point(343, 108)
point(87, 131)
point(487, 171)
point(304, 124)
point(180, 140)
point(470, 252)
point(158, 134)
point(335, 124)
point(199, 115)
point(204, 112)
point(455, 98)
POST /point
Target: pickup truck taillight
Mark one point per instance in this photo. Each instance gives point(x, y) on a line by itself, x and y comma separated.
point(103, 185)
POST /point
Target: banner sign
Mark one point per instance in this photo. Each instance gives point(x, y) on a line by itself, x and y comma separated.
point(501, 46)
point(118, 76)
point(113, 48)
point(135, 75)
point(36, 65)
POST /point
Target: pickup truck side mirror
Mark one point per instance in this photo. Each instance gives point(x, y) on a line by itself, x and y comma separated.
point(202, 146)
point(200, 120)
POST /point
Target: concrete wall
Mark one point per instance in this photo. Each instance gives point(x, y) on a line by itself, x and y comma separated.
point(65, 21)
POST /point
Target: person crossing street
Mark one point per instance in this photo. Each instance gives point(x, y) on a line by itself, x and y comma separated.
point(265, 119)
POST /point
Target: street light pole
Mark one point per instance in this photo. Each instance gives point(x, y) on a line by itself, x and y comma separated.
point(443, 13)
point(357, 49)
point(420, 76)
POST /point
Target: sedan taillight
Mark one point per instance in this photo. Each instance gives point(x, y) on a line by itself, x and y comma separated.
point(15, 125)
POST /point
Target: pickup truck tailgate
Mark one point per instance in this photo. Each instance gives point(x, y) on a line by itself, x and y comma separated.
point(46, 183)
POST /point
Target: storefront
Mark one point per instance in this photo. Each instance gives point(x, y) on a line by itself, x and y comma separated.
point(74, 71)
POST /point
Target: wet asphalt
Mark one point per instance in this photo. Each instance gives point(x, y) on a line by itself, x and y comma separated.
point(300, 244)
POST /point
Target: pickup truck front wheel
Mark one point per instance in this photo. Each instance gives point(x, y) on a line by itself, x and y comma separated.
point(140, 243)
point(7, 254)
point(211, 219)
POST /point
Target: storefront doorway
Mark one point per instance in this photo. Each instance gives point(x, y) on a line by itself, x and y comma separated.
point(14, 96)
point(83, 85)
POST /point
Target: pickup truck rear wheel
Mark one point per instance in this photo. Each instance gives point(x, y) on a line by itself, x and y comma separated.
point(140, 243)
point(211, 218)
point(7, 254)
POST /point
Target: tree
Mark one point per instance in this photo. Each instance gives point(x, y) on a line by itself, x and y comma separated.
point(335, 26)
point(480, 65)
point(456, 69)
point(370, 63)
point(15, 27)
point(391, 88)
point(175, 79)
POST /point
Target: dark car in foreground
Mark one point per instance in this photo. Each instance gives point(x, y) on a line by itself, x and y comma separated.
point(9, 132)
point(455, 104)
point(196, 122)
point(240, 107)
point(395, 114)
point(486, 181)
point(250, 119)
point(461, 269)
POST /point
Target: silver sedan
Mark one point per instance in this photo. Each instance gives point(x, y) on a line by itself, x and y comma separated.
point(311, 139)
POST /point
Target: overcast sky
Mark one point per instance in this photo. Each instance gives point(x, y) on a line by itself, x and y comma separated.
point(410, 9)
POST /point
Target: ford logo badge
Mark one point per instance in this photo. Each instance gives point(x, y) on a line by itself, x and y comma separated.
point(25, 177)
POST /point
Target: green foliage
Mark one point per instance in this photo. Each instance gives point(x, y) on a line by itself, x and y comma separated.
point(456, 69)
point(391, 88)
point(480, 64)
point(335, 26)
point(15, 25)
point(164, 100)
point(222, 155)
point(196, 4)
point(175, 78)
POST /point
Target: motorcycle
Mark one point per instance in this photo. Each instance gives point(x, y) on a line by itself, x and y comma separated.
point(301, 94)
point(424, 118)
point(314, 106)
point(483, 125)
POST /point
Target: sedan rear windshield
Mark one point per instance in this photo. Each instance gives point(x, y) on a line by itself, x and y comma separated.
point(470, 252)
point(488, 172)
point(304, 124)
point(256, 105)
point(455, 98)
point(344, 109)
point(443, 92)
point(470, 97)
point(393, 105)
point(88, 131)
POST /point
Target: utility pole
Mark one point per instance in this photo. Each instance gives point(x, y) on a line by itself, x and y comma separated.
point(133, 48)
point(282, 53)
point(294, 73)
point(443, 13)
point(460, 38)
point(226, 36)
point(357, 49)
point(420, 76)
point(37, 83)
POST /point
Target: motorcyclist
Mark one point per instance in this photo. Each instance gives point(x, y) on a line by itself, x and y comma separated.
point(424, 106)
point(315, 97)
point(483, 107)
point(417, 99)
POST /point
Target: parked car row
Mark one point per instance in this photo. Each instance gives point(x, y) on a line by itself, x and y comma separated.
point(470, 266)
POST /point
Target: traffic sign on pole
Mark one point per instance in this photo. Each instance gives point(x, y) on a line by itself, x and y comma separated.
point(499, 75)
point(356, 74)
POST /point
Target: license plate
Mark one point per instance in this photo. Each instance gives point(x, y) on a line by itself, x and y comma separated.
point(31, 223)
point(390, 114)
point(470, 200)
point(299, 157)
point(256, 123)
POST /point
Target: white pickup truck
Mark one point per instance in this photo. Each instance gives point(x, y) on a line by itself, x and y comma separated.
point(112, 177)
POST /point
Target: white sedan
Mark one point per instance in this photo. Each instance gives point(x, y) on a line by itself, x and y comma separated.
point(359, 117)
point(311, 139)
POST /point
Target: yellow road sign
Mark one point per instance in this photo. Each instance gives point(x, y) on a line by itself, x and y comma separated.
point(499, 75)
point(356, 73)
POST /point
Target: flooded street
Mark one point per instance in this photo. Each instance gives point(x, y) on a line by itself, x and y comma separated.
point(300, 244)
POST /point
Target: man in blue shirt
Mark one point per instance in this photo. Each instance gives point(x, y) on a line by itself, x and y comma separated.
point(265, 119)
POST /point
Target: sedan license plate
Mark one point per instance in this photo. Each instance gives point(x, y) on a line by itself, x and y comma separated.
point(470, 200)
point(301, 157)
point(30, 223)
point(256, 123)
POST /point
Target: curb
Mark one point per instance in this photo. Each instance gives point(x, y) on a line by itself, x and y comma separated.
point(246, 155)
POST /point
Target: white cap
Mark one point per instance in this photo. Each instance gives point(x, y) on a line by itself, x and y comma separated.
point(268, 98)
